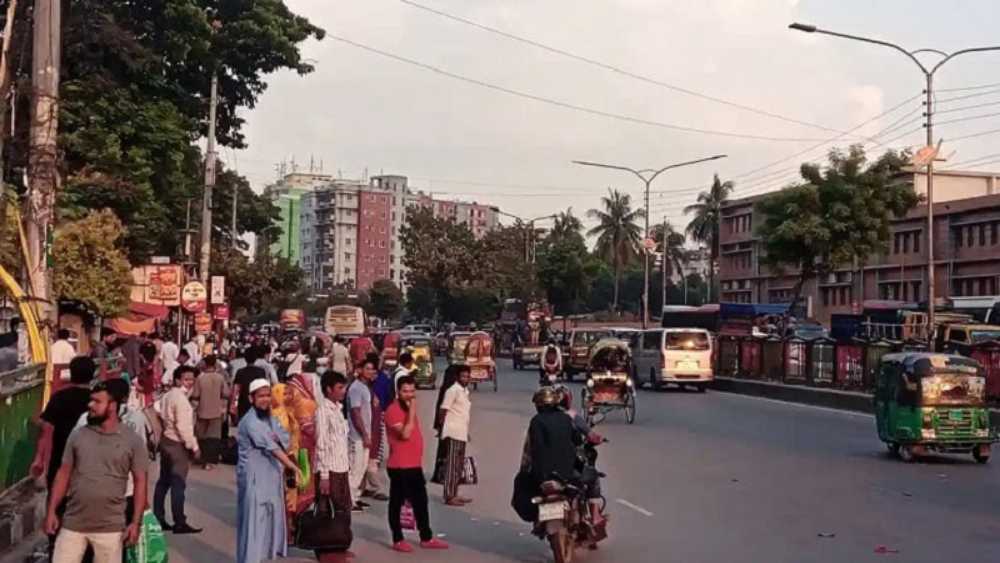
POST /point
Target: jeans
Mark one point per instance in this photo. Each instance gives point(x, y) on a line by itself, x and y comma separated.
point(174, 464)
point(408, 485)
point(71, 546)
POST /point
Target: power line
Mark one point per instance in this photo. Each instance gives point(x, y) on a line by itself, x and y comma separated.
point(966, 88)
point(615, 69)
point(966, 96)
point(973, 160)
point(974, 135)
point(967, 118)
point(963, 108)
point(565, 105)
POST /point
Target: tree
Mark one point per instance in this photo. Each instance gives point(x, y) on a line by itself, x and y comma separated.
point(840, 215)
point(704, 226)
point(89, 265)
point(267, 283)
point(565, 268)
point(386, 299)
point(134, 84)
point(10, 237)
point(673, 249)
point(440, 255)
point(618, 234)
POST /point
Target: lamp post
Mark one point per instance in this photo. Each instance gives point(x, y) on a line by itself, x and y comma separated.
point(929, 113)
point(647, 175)
point(529, 237)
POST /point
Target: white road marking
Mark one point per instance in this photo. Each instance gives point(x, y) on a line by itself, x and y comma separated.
point(634, 507)
point(803, 405)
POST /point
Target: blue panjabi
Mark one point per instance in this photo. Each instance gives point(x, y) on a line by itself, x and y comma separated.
point(260, 528)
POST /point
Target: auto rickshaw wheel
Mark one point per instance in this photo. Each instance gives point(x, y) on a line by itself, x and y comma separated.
point(907, 454)
point(981, 453)
point(893, 448)
point(654, 382)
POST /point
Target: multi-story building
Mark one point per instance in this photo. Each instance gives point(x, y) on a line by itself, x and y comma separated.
point(966, 253)
point(284, 240)
point(350, 230)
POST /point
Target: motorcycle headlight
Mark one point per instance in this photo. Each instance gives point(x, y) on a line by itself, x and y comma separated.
point(628, 382)
point(590, 383)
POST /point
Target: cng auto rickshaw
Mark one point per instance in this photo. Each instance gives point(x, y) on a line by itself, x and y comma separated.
point(419, 346)
point(609, 385)
point(926, 402)
point(479, 358)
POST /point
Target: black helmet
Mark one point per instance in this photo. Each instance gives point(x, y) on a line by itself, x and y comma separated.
point(546, 397)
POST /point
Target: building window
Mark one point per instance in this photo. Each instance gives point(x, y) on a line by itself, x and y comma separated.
point(381, 244)
point(982, 235)
point(993, 235)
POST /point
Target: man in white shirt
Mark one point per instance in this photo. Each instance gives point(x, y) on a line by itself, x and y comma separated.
point(193, 348)
point(178, 447)
point(405, 367)
point(332, 460)
point(62, 354)
point(456, 411)
point(340, 357)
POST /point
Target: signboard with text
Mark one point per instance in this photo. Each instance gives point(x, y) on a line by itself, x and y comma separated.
point(202, 323)
point(194, 297)
point(217, 291)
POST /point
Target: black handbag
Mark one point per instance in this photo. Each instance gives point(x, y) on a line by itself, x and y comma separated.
point(321, 528)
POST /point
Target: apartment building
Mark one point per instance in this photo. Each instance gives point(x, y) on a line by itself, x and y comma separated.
point(349, 232)
point(966, 252)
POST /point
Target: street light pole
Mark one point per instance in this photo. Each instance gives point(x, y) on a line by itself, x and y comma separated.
point(929, 93)
point(647, 175)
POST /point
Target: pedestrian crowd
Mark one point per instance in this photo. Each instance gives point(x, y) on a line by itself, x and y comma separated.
point(317, 431)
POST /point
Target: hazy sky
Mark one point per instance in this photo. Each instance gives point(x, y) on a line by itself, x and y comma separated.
point(362, 110)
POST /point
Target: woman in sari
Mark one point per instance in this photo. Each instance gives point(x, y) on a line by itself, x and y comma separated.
point(300, 400)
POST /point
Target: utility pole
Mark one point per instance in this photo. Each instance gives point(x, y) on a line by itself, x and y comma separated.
point(206, 205)
point(647, 175)
point(663, 275)
point(928, 72)
point(43, 172)
point(236, 194)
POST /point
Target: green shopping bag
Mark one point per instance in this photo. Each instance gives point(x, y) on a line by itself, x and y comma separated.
point(303, 459)
point(152, 545)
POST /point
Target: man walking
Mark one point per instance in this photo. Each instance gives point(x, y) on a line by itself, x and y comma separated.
point(340, 357)
point(178, 447)
point(332, 461)
point(240, 403)
point(62, 353)
point(57, 422)
point(261, 530)
point(96, 464)
point(456, 409)
point(210, 391)
point(359, 398)
point(405, 466)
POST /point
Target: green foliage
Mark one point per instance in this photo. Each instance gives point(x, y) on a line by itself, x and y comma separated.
point(704, 226)
point(89, 266)
point(266, 284)
point(839, 215)
point(135, 79)
point(10, 239)
point(386, 300)
point(618, 235)
point(565, 268)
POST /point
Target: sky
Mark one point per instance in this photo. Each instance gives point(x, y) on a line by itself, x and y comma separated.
point(362, 111)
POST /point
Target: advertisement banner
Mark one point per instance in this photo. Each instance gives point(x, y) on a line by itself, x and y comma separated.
point(221, 312)
point(194, 297)
point(202, 323)
point(217, 293)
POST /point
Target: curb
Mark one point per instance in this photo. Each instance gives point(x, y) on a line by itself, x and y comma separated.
point(855, 401)
point(22, 508)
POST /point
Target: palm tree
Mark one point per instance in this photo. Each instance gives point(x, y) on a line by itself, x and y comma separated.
point(618, 233)
point(674, 251)
point(565, 223)
point(704, 226)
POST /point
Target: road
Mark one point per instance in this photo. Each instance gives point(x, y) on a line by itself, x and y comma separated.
point(698, 478)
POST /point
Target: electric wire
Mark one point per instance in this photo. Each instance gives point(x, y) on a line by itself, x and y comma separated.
point(566, 105)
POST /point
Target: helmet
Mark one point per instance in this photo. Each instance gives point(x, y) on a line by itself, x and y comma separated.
point(546, 397)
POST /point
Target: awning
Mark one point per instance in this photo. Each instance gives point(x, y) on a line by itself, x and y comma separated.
point(140, 318)
point(147, 310)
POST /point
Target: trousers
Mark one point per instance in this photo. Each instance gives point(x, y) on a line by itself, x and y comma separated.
point(408, 485)
point(174, 464)
point(71, 546)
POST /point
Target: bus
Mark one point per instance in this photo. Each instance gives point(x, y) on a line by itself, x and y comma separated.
point(348, 321)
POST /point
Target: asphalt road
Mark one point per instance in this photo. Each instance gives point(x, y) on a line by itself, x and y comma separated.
point(698, 478)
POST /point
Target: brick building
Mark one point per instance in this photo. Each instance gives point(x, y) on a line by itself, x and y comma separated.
point(966, 249)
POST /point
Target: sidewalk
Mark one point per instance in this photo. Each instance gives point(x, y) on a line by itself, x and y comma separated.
point(856, 401)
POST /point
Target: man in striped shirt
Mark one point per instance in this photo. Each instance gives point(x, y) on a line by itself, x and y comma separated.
point(332, 464)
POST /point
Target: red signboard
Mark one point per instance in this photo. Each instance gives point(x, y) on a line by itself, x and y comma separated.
point(202, 323)
point(221, 312)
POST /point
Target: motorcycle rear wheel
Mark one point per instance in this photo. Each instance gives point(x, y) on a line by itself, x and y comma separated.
point(562, 546)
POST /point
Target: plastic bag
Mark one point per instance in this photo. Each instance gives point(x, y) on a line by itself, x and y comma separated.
point(303, 459)
point(152, 545)
point(407, 520)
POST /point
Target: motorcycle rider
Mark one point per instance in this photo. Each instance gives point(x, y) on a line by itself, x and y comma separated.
point(551, 365)
point(589, 475)
point(551, 443)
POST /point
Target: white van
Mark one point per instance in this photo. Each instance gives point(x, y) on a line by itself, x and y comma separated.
point(678, 356)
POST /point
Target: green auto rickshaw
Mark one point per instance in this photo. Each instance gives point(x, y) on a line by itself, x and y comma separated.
point(927, 402)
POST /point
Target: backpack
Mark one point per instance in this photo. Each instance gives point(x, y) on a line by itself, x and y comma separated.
point(154, 429)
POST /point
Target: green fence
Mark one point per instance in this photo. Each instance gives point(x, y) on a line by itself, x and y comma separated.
point(21, 396)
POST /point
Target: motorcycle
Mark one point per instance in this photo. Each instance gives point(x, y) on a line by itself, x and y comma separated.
point(549, 372)
point(564, 517)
